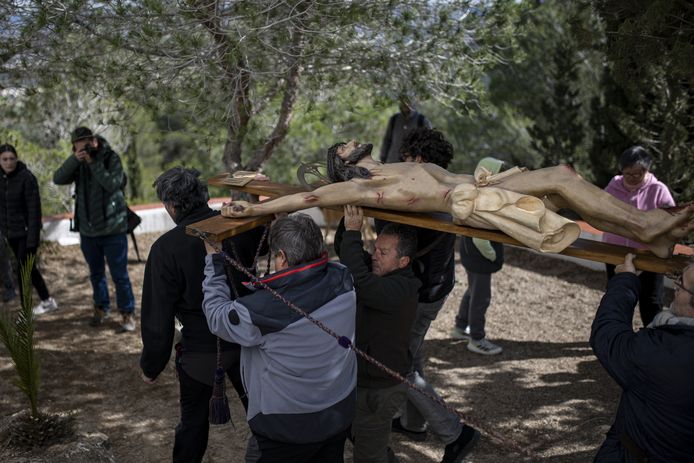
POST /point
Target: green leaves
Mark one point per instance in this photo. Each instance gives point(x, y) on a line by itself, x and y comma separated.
point(17, 335)
point(522, 80)
point(649, 48)
point(209, 56)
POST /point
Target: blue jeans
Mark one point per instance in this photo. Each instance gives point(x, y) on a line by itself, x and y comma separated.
point(419, 409)
point(114, 250)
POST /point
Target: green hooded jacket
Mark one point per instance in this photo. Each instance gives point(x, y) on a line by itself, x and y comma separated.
point(100, 208)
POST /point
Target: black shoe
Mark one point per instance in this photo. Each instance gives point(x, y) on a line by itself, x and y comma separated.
point(417, 436)
point(462, 446)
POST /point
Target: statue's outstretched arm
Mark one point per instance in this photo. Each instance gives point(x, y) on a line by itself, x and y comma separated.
point(335, 194)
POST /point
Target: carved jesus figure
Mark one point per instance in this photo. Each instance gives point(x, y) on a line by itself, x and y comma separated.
point(521, 203)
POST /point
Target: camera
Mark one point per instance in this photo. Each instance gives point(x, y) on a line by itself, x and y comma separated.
point(91, 150)
point(88, 149)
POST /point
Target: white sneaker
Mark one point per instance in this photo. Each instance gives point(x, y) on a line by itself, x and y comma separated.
point(458, 333)
point(128, 324)
point(484, 347)
point(49, 305)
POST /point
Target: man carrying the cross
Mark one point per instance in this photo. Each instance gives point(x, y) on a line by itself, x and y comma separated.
point(653, 367)
point(301, 384)
point(387, 294)
point(172, 289)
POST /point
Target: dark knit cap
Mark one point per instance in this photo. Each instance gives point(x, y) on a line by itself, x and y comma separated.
point(81, 133)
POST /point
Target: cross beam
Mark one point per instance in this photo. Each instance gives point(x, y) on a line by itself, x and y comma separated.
point(220, 228)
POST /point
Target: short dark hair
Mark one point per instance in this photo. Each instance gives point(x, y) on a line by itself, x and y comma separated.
point(7, 147)
point(635, 156)
point(298, 236)
point(407, 238)
point(430, 144)
point(181, 188)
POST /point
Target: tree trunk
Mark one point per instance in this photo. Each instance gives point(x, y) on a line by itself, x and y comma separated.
point(237, 74)
point(239, 120)
point(291, 91)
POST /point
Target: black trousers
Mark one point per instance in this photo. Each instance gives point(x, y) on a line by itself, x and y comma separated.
point(192, 431)
point(22, 253)
point(651, 295)
point(328, 451)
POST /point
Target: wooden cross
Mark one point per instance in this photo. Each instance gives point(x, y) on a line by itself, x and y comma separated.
point(219, 228)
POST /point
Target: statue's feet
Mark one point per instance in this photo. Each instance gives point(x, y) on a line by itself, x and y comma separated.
point(670, 230)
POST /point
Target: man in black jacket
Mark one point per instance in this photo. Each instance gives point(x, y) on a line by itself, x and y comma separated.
point(434, 266)
point(399, 126)
point(172, 288)
point(386, 306)
point(655, 418)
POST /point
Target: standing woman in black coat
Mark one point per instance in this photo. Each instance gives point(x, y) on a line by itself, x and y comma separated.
point(20, 219)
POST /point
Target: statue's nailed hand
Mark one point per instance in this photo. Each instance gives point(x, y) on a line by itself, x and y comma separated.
point(237, 209)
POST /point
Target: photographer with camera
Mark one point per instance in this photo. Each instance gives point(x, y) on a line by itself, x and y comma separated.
point(101, 220)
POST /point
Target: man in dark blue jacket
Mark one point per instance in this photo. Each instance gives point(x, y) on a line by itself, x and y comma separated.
point(655, 418)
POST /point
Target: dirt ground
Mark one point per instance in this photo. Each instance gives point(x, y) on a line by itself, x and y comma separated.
point(546, 391)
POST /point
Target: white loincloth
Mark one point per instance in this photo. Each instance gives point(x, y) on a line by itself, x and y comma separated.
point(522, 217)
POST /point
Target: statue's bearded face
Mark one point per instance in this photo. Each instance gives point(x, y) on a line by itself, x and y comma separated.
point(353, 151)
point(342, 158)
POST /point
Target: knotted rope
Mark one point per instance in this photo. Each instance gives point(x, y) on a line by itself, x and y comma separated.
point(346, 343)
point(219, 412)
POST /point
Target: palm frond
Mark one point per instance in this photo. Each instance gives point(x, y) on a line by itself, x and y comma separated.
point(17, 334)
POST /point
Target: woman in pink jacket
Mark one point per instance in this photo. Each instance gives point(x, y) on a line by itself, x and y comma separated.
point(639, 187)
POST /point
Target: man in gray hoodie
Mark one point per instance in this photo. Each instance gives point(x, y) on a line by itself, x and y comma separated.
point(301, 384)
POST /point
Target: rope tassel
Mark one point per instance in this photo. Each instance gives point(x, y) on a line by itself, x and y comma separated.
point(219, 404)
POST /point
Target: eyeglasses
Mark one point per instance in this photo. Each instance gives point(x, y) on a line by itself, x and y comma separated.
point(677, 281)
point(634, 174)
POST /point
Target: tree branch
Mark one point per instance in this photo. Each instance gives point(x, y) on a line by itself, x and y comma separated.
point(284, 118)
